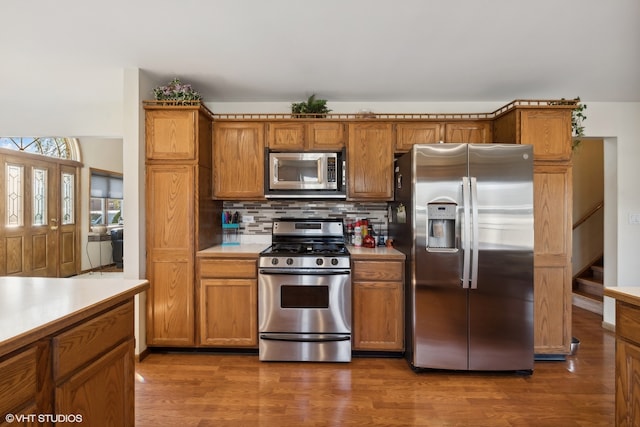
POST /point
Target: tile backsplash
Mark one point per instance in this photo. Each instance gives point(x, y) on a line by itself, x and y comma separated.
point(263, 214)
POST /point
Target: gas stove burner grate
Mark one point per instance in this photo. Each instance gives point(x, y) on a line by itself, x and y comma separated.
point(307, 249)
point(286, 248)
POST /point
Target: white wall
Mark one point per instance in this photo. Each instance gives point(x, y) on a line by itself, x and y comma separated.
point(58, 101)
point(618, 124)
point(137, 87)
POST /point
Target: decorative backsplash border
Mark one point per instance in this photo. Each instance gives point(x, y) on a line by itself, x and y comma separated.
point(265, 212)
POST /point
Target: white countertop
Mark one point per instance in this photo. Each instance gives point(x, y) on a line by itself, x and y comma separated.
point(254, 249)
point(31, 305)
point(628, 294)
point(378, 251)
point(230, 250)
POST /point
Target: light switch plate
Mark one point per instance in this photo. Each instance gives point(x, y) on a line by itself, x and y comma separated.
point(248, 218)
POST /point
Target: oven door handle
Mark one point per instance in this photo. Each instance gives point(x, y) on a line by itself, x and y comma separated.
point(304, 272)
point(298, 338)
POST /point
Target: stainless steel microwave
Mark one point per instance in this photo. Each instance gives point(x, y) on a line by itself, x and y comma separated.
point(309, 175)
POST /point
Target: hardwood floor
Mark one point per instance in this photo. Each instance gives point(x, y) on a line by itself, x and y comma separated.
point(238, 390)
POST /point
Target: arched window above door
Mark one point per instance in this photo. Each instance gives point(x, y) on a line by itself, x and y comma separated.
point(59, 148)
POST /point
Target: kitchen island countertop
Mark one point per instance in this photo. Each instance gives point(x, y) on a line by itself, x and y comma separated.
point(628, 294)
point(34, 307)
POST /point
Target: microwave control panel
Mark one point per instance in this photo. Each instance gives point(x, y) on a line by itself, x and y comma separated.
point(331, 169)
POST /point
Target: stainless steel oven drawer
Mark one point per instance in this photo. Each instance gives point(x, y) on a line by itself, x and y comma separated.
point(305, 347)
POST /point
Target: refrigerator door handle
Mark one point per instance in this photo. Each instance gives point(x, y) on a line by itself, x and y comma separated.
point(466, 232)
point(476, 233)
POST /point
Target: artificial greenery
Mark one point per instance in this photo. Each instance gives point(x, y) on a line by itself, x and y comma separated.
point(577, 117)
point(312, 107)
point(176, 91)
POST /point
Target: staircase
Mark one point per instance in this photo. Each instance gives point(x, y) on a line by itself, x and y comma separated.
point(588, 288)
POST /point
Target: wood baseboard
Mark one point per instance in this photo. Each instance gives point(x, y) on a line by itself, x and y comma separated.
point(142, 355)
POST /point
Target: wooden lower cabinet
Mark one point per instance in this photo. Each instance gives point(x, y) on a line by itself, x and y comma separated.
point(82, 375)
point(552, 258)
point(171, 210)
point(378, 307)
point(627, 364)
point(19, 386)
point(93, 368)
point(101, 392)
point(228, 302)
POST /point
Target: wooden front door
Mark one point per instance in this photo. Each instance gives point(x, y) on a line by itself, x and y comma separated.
point(35, 238)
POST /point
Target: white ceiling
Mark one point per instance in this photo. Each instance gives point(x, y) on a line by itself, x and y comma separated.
point(343, 50)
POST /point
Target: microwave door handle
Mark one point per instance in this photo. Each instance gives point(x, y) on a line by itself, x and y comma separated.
point(321, 165)
point(275, 170)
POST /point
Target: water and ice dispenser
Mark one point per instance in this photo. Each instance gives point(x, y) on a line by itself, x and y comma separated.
point(441, 227)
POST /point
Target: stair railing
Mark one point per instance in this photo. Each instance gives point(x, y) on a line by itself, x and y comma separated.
point(588, 215)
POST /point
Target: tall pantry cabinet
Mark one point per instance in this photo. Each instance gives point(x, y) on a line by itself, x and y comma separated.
point(181, 217)
point(548, 129)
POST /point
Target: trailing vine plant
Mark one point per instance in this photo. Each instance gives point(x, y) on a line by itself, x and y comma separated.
point(577, 117)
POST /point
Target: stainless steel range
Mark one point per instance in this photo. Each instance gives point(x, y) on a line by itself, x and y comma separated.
point(304, 293)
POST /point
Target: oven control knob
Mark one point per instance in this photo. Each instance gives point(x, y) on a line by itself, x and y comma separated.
point(334, 261)
point(289, 261)
point(319, 261)
point(274, 261)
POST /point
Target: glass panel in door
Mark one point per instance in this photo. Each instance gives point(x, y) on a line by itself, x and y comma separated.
point(68, 255)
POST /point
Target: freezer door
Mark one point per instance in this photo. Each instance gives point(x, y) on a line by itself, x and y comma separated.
point(501, 304)
point(438, 302)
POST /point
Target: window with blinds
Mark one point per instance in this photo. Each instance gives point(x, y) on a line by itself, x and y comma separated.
point(106, 198)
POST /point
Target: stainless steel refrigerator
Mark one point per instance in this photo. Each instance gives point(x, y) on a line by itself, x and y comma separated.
point(463, 215)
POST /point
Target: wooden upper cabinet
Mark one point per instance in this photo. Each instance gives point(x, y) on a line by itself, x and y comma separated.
point(468, 132)
point(370, 161)
point(549, 131)
point(171, 134)
point(302, 136)
point(326, 135)
point(428, 132)
point(238, 160)
point(409, 134)
point(286, 136)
